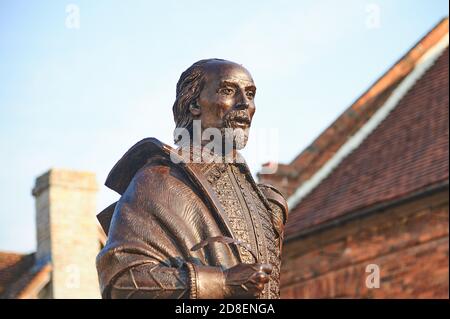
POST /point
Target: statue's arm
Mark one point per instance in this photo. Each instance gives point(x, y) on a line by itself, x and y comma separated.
point(192, 281)
point(154, 280)
point(150, 280)
point(141, 258)
point(278, 205)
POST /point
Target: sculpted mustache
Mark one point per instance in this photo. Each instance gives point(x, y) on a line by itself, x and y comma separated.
point(240, 116)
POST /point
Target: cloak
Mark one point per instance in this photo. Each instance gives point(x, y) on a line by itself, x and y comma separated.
point(166, 208)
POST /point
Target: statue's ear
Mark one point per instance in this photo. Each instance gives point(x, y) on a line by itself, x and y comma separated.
point(194, 108)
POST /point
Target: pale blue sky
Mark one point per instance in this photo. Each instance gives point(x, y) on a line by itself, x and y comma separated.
point(79, 98)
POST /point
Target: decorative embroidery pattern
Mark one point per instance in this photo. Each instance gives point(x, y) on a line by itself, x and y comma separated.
point(255, 229)
point(221, 183)
point(269, 239)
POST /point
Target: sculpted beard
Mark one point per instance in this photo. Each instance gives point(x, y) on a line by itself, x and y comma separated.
point(236, 128)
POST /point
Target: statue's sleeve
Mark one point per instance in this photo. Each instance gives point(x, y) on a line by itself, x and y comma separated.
point(279, 207)
point(147, 255)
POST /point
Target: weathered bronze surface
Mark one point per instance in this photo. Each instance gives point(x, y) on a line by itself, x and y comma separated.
point(185, 228)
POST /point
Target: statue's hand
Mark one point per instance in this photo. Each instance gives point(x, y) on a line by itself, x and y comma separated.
point(246, 280)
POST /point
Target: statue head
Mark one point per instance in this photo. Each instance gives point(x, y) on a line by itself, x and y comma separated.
point(218, 93)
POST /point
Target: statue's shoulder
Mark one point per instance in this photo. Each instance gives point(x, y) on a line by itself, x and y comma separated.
point(147, 162)
point(147, 152)
point(276, 197)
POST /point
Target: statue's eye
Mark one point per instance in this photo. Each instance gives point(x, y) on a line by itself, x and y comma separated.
point(226, 91)
point(250, 94)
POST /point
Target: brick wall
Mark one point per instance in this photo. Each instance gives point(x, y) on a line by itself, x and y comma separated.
point(409, 243)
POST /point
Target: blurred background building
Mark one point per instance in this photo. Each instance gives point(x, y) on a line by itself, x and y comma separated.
point(368, 201)
point(369, 197)
point(68, 240)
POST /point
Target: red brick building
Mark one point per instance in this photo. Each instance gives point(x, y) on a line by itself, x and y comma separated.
point(369, 197)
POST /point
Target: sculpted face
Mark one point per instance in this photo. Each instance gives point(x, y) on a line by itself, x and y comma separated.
point(226, 100)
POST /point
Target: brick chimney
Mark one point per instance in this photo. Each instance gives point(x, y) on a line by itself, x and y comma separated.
point(67, 233)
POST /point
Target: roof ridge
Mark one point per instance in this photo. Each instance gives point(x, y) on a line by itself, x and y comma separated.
point(10, 253)
point(424, 63)
point(400, 69)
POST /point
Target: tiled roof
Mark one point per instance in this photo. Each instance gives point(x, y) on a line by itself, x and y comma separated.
point(30, 283)
point(21, 276)
point(407, 152)
point(12, 267)
point(290, 176)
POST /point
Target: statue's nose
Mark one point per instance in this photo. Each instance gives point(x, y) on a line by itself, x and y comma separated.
point(242, 106)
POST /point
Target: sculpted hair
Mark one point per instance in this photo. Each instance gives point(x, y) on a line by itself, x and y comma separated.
point(189, 87)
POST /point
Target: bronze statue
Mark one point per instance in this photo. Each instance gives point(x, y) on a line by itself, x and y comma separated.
point(191, 222)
